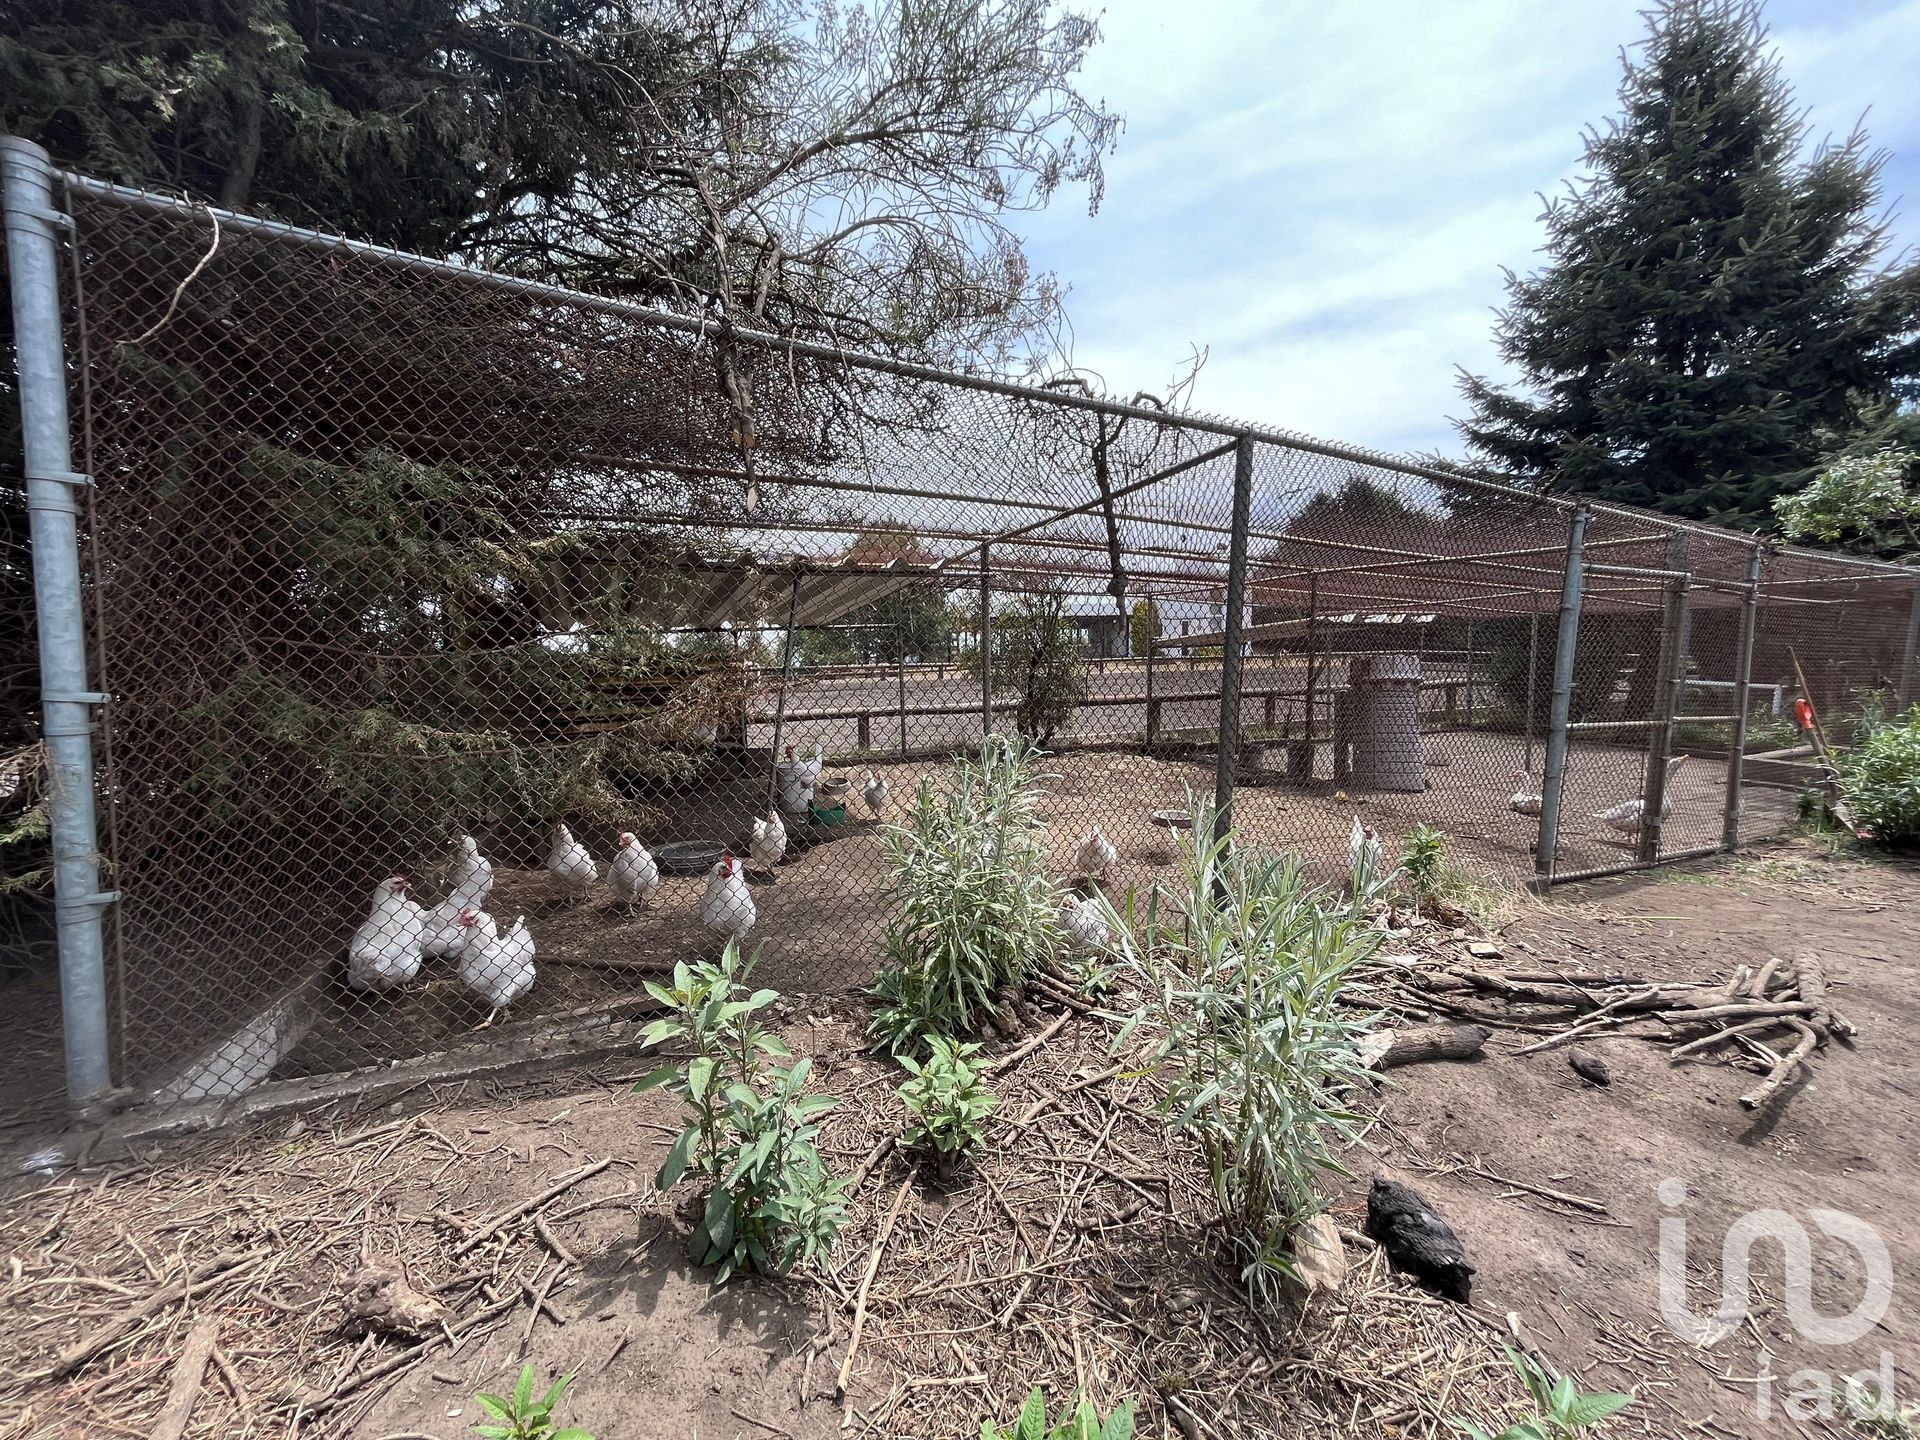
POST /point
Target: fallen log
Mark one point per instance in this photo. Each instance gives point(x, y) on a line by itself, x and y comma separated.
point(1429, 1042)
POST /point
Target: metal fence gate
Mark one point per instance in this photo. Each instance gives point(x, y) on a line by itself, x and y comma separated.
point(373, 551)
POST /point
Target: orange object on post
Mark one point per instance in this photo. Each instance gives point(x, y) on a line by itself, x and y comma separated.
point(1803, 713)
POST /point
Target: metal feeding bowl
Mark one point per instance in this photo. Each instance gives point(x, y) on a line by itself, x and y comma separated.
point(689, 857)
point(1174, 819)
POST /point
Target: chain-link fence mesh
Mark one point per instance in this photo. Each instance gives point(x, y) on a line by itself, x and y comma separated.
point(386, 554)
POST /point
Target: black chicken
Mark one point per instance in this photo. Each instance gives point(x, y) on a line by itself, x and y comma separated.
point(1417, 1240)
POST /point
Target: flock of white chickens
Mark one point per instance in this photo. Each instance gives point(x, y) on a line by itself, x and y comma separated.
point(398, 936)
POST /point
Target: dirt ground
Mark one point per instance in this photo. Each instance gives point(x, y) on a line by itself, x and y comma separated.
point(1130, 1298)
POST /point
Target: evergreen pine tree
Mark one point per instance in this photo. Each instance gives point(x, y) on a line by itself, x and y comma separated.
point(1714, 308)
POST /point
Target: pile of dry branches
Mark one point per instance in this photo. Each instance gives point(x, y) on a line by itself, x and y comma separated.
point(1782, 1002)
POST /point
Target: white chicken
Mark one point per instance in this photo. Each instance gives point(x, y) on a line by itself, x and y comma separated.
point(796, 784)
point(1526, 798)
point(876, 794)
point(1366, 858)
point(811, 768)
point(1627, 814)
point(498, 968)
point(1095, 855)
point(568, 858)
point(470, 884)
point(386, 947)
point(728, 908)
point(634, 874)
point(769, 840)
point(1085, 930)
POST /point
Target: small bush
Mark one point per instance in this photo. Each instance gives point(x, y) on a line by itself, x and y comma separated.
point(1561, 1410)
point(946, 1098)
point(974, 909)
point(522, 1416)
point(1083, 1424)
point(1880, 780)
point(772, 1202)
point(1244, 973)
point(1422, 859)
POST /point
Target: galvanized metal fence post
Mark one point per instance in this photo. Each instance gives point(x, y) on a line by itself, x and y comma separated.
point(1669, 678)
point(1742, 685)
point(986, 646)
point(1230, 637)
point(33, 255)
point(1553, 775)
point(1146, 724)
point(1909, 680)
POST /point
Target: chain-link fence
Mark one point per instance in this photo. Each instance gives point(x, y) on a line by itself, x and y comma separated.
point(383, 553)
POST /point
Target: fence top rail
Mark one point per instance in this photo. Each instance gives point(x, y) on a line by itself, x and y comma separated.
point(1054, 397)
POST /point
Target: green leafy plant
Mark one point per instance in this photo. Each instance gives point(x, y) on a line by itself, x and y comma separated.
point(1039, 659)
point(946, 1098)
point(1422, 858)
point(772, 1202)
point(1083, 1423)
point(522, 1416)
point(1244, 971)
point(1880, 780)
point(1875, 1411)
point(973, 907)
point(1561, 1410)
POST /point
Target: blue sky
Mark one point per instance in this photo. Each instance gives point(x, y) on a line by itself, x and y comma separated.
point(1322, 194)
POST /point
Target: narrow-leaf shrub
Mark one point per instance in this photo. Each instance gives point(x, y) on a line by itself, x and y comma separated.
point(1242, 971)
point(752, 1133)
point(973, 909)
point(946, 1098)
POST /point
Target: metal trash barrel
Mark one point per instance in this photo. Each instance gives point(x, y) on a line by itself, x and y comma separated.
point(1388, 752)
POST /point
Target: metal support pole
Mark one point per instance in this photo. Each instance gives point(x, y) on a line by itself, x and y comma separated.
point(986, 645)
point(1742, 686)
point(1533, 673)
point(1313, 659)
point(1146, 725)
point(786, 677)
point(1554, 775)
point(1909, 680)
point(1469, 674)
point(900, 676)
point(1230, 637)
point(1669, 675)
point(33, 255)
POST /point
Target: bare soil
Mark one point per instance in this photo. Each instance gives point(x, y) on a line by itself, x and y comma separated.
point(1119, 1288)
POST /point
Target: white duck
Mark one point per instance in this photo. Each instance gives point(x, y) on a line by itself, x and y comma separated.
point(498, 968)
point(568, 858)
point(634, 874)
point(1085, 930)
point(769, 840)
point(1526, 798)
point(876, 794)
point(1627, 814)
point(728, 908)
point(1366, 857)
point(1095, 855)
point(386, 947)
point(470, 884)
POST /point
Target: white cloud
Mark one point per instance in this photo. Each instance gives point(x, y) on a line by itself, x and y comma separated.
point(1324, 194)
